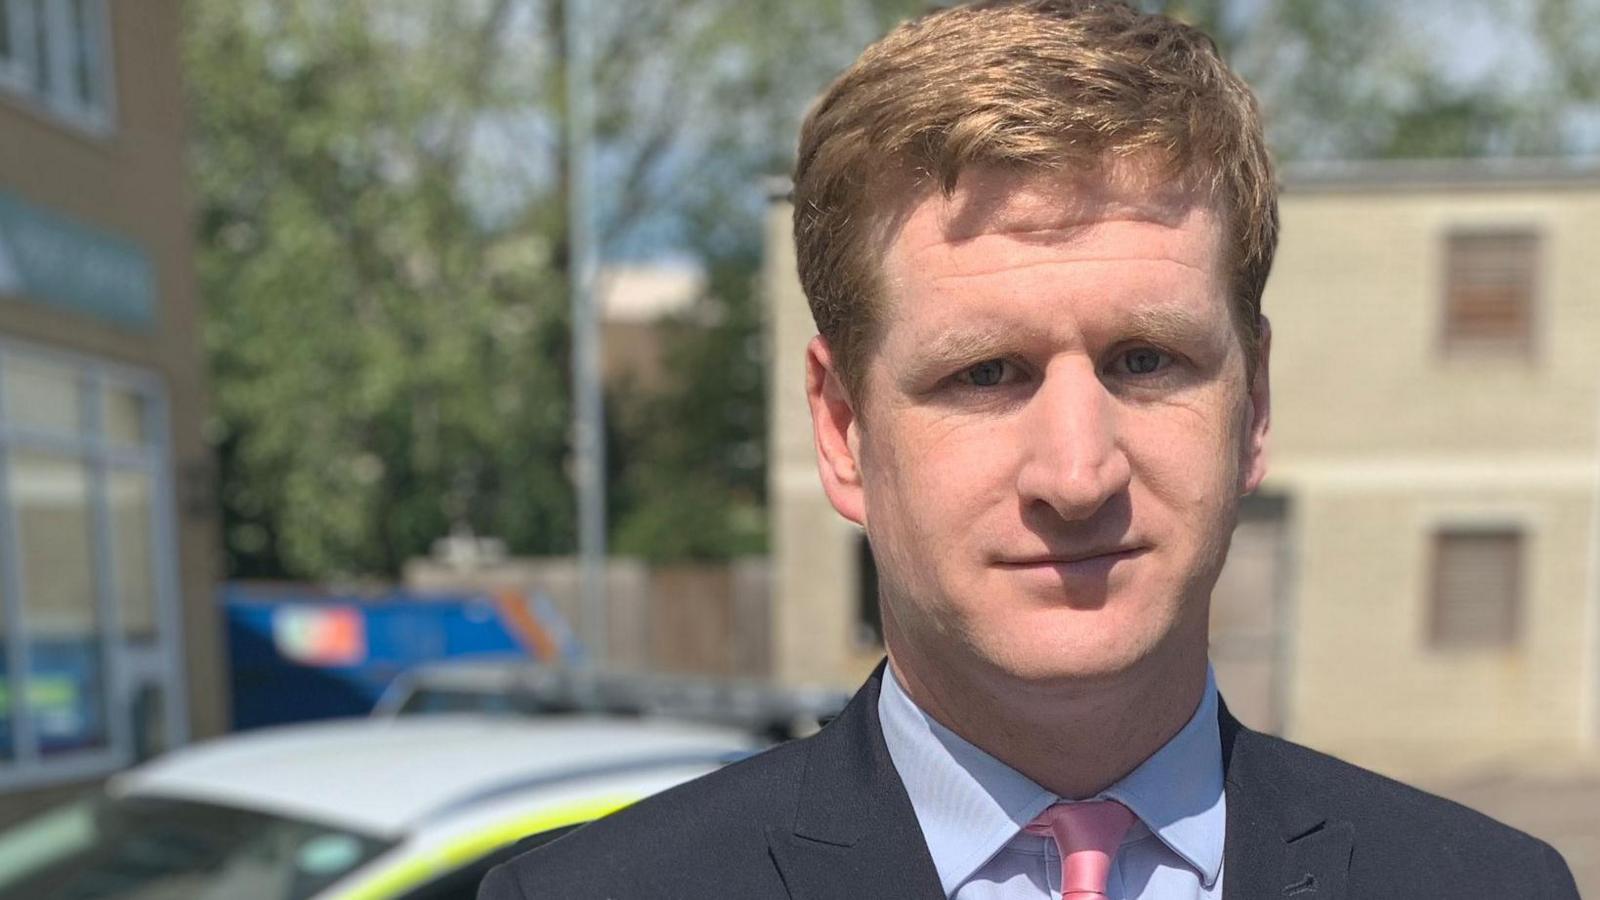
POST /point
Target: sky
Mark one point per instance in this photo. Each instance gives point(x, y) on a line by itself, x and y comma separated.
point(1468, 39)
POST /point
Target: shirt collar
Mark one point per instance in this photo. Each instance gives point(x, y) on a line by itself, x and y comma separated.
point(970, 805)
point(1177, 792)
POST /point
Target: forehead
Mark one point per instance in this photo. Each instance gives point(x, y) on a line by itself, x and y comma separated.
point(997, 222)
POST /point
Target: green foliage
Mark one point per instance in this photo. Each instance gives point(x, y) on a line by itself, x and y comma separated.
point(1570, 33)
point(695, 479)
point(383, 363)
point(1363, 79)
point(383, 255)
point(382, 252)
point(690, 461)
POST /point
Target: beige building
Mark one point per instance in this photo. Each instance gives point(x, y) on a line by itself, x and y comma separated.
point(1417, 579)
point(824, 605)
point(636, 303)
point(1437, 437)
point(109, 635)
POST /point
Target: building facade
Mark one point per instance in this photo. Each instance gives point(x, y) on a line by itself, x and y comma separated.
point(824, 595)
point(109, 637)
point(1436, 445)
point(1417, 578)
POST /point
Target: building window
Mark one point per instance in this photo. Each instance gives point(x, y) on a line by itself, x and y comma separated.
point(1490, 281)
point(86, 579)
point(20, 46)
point(1477, 588)
point(8, 53)
point(55, 54)
point(869, 617)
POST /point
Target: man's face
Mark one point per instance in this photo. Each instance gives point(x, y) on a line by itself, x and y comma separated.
point(1054, 430)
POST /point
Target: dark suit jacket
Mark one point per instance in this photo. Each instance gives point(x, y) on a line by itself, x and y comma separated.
point(827, 818)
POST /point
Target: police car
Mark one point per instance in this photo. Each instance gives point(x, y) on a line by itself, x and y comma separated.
point(776, 713)
point(376, 809)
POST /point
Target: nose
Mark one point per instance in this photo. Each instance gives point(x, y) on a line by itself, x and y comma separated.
point(1073, 460)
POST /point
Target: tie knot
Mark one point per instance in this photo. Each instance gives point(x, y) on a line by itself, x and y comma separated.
point(1087, 834)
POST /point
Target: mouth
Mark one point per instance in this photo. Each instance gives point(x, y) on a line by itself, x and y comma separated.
point(1077, 560)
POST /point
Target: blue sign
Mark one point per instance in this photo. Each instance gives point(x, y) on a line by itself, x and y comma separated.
point(49, 259)
point(65, 698)
point(298, 655)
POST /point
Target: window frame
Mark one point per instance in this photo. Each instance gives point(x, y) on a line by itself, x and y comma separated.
point(1454, 346)
point(59, 100)
point(14, 69)
point(123, 669)
point(1435, 638)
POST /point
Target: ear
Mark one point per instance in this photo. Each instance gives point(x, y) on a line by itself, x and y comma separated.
point(836, 429)
point(1253, 465)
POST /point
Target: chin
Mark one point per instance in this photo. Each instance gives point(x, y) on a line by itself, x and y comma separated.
point(1080, 651)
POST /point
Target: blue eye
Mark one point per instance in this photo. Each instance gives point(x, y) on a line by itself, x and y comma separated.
point(1143, 361)
point(986, 374)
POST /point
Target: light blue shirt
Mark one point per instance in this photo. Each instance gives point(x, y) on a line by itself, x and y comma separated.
point(972, 808)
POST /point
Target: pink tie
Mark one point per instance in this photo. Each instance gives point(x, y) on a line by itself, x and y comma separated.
point(1087, 834)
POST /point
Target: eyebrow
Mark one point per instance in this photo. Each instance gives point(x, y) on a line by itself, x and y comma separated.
point(962, 345)
point(1166, 325)
point(976, 344)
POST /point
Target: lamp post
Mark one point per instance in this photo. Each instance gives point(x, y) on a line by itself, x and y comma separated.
point(589, 469)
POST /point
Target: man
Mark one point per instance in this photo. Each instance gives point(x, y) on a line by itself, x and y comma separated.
point(1034, 236)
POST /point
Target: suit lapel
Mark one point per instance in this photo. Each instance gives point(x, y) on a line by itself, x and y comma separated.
point(855, 833)
point(1277, 845)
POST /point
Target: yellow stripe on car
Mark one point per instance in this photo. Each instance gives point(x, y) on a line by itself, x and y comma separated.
point(419, 870)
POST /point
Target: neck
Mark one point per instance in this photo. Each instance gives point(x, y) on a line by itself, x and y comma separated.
point(1073, 739)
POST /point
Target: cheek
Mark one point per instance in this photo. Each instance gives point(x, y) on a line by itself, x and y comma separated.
point(1188, 464)
point(932, 487)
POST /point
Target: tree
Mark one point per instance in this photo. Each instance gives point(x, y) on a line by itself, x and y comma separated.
point(1367, 79)
point(382, 246)
point(1338, 80)
point(692, 479)
point(382, 237)
point(384, 360)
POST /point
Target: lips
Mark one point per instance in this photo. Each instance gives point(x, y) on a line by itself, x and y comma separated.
point(1075, 557)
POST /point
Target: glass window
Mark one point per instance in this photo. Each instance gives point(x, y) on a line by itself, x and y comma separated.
point(85, 80)
point(125, 417)
point(66, 686)
point(8, 51)
point(130, 497)
point(55, 53)
point(149, 715)
point(87, 541)
point(1477, 588)
point(42, 395)
point(145, 847)
point(43, 57)
point(15, 43)
point(1490, 288)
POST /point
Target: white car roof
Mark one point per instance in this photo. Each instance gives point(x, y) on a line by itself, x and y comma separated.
point(387, 776)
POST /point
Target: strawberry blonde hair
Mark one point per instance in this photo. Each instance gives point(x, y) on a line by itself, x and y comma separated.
point(1054, 85)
